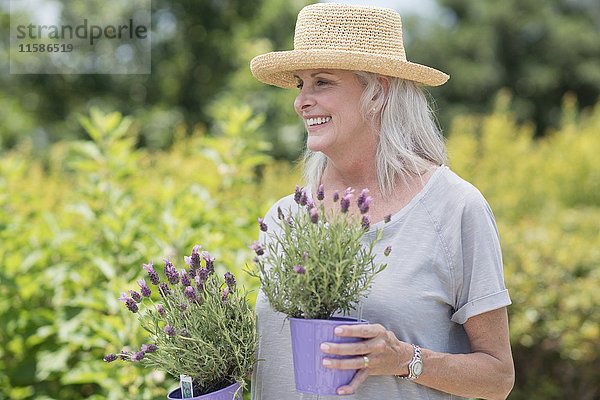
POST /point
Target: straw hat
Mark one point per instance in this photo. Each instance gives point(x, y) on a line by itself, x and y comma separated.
point(348, 37)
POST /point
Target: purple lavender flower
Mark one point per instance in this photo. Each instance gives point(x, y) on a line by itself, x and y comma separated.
point(262, 225)
point(230, 280)
point(345, 203)
point(138, 356)
point(297, 194)
point(149, 348)
point(336, 196)
point(210, 261)
point(110, 357)
point(362, 197)
point(190, 293)
point(299, 269)
point(364, 207)
point(225, 294)
point(185, 279)
point(202, 276)
point(163, 289)
point(309, 203)
point(182, 307)
point(135, 296)
point(171, 273)
point(303, 198)
point(314, 215)
point(387, 218)
point(129, 302)
point(124, 355)
point(366, 223)
point(387, 251)
point(169, 330)
point(321, 192)
point(161, 310)
point(151, 273)
point(364, 201)
point(146, 292)
point(194, 259)
point(290, 220)
point(257, 248)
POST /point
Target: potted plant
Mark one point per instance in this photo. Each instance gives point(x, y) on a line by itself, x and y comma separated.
point(313, 265)
point(201, 328)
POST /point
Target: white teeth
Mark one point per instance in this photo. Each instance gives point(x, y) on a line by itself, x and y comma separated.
point(317, 121)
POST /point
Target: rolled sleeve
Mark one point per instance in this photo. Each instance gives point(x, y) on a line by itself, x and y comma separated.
point(481, 305)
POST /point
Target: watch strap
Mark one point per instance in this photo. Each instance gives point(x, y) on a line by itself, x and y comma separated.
point(416, 359)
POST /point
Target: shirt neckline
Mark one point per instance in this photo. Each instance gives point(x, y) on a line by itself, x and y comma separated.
point(397, 216)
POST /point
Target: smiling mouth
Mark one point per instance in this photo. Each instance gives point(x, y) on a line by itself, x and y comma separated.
point(317, 121)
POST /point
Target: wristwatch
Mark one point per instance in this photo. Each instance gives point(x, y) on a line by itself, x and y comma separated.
point(415, 366)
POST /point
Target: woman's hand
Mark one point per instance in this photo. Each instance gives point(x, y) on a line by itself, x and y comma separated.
point(486, 373)
point(381, 353)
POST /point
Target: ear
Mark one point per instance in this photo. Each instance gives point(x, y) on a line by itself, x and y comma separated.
point(384, 81)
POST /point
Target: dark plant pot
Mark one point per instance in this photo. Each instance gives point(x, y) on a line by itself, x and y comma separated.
point(232, 392)
point(309, 373)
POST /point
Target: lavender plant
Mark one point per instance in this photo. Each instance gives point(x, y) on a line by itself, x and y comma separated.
point(199, 325)
point(314, 263)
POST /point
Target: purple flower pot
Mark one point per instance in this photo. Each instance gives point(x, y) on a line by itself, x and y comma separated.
point(229, 393)
point(309, 373)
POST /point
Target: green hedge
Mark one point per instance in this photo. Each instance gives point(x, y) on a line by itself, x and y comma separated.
point(76, 226)
point(546, 197)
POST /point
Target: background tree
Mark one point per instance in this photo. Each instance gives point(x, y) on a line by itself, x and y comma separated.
point(539, 49)
point(197, 46)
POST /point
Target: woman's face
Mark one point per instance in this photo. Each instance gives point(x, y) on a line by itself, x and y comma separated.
point(329, 103)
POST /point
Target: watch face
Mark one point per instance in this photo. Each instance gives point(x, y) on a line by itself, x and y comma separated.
point(417, 368)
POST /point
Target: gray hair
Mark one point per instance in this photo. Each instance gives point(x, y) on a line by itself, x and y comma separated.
point(409, 139)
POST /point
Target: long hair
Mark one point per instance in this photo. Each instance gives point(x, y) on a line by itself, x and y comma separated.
point(409, 139)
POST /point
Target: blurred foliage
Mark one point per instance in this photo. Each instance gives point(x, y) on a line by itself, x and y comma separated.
point(540, 49)
point(201, 49)
point(546, 197)
point(75, 231)
point(77, 228)
point(200, 55)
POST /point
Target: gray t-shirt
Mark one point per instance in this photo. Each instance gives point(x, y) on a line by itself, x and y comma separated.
point(445, 267)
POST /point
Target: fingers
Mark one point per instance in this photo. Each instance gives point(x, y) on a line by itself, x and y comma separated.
point(346, 349)
point(361, 331)
point(358, 379)
point(373, 345)
point(348, 363)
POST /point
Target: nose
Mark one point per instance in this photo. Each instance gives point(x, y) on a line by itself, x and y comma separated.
point(304, 101)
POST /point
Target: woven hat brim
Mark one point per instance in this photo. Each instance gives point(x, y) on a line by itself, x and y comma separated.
point(277, 68)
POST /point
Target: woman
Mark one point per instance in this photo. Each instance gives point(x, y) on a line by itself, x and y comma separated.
point(439, 326)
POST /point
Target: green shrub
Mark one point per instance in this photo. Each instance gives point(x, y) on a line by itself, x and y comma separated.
point(546, 197)
point(81, 222)
point(76, 227)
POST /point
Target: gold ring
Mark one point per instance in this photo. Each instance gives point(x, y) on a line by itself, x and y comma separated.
point(366, 360)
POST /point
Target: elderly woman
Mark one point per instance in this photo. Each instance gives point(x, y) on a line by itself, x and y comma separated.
point(439, 326)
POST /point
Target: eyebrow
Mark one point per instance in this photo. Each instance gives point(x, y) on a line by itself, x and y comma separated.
point(315, 74)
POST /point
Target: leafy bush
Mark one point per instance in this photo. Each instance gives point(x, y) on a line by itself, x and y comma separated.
point(81, 223)
point(546, 196)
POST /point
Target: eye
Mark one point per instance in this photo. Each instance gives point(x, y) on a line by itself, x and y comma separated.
point(321, 82)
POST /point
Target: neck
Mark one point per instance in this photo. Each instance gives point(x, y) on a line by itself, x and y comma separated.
point(358, 174)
